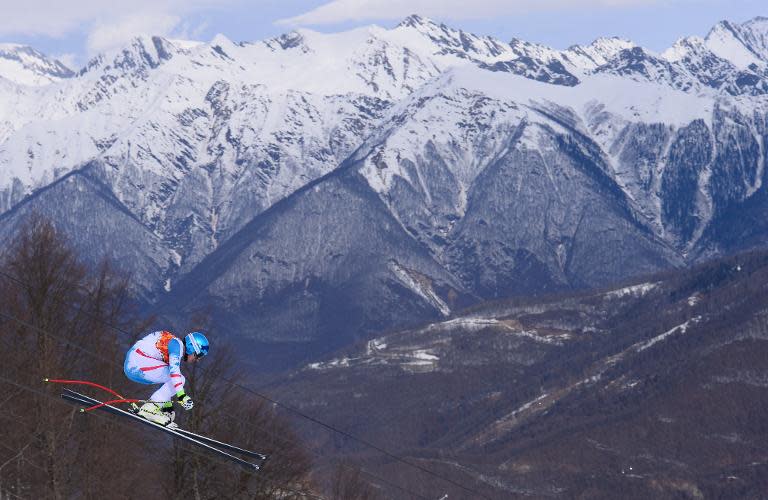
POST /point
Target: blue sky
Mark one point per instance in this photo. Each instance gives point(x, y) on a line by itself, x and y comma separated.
point(77, 29)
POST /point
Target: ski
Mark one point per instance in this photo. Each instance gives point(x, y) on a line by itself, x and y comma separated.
point(87, 400)
point(78, 398)
point(225, 446)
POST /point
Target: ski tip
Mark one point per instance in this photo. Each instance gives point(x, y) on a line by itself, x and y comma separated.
point(82, 410)
point(46, 380)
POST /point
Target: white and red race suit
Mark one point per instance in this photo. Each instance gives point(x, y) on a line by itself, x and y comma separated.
point(155, 360)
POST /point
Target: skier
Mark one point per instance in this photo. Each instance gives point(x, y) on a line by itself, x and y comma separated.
point(155, 360)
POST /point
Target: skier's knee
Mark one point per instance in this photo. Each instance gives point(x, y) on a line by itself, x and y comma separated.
point(177, 381)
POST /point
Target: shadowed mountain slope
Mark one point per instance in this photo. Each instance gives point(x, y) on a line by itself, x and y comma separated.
point(99, 226)
point(653, 390)
point(323, 267)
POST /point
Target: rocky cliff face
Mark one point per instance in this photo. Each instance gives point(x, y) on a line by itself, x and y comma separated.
point(384, 176)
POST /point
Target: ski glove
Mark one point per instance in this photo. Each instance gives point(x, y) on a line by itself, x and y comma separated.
point(184, 400)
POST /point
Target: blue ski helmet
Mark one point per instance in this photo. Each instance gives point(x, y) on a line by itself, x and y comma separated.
point(196, 344)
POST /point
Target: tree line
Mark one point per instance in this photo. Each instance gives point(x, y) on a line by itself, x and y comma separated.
point(61, 317)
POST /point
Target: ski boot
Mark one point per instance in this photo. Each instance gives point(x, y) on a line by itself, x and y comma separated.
point(159, 414)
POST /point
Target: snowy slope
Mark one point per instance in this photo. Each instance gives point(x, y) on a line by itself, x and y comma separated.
point(477, 110)
point(732, 58)
point(26, 66)
point(597, 53)
point(237, 126)
point(728, 42)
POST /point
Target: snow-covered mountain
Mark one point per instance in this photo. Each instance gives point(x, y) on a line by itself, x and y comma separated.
point(502, 167)
point(25, 66)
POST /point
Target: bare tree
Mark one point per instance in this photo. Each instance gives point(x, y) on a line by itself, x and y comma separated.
point(348, 484)
point(54, 312)
point(230, 414)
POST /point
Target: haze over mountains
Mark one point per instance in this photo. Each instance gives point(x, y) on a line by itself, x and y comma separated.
point(315, 188)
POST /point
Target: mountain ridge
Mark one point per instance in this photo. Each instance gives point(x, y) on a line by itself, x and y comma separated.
point(514, 167)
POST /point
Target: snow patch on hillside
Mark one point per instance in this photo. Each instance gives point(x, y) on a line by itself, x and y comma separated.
point(419, 360)
point(336, 363)
point(472, 324)
point(421, 286)
point(678, 329)
point(375, 345)
point(424, 355)
point(544, 339)
point(635, 290)
point(634, 101)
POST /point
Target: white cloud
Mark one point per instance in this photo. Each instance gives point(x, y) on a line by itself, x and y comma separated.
point(107, 23)
point(110, 35)
point(36, 17)
point(69, 60)
point(187, 31)
point(337, 11)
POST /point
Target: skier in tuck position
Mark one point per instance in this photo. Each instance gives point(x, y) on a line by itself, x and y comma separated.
point(155, 360)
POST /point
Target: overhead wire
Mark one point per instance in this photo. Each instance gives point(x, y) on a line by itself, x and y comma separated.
point(382, 480)
point(191, 450)
point(321, 455)
point(365, 442)
point(242, 387)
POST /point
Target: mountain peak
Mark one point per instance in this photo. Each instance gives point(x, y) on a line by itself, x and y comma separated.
point(450, 40)
point(222, 46)
point(286, 40)
point(10, 46)
point(742, 45)
point(141, 52)
point(415, 21)
point(684, 47)
point(222, 40)
point(24, 65)
point(597, 53)
point(612, 43)
point(434, 30)
point(755, 33)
